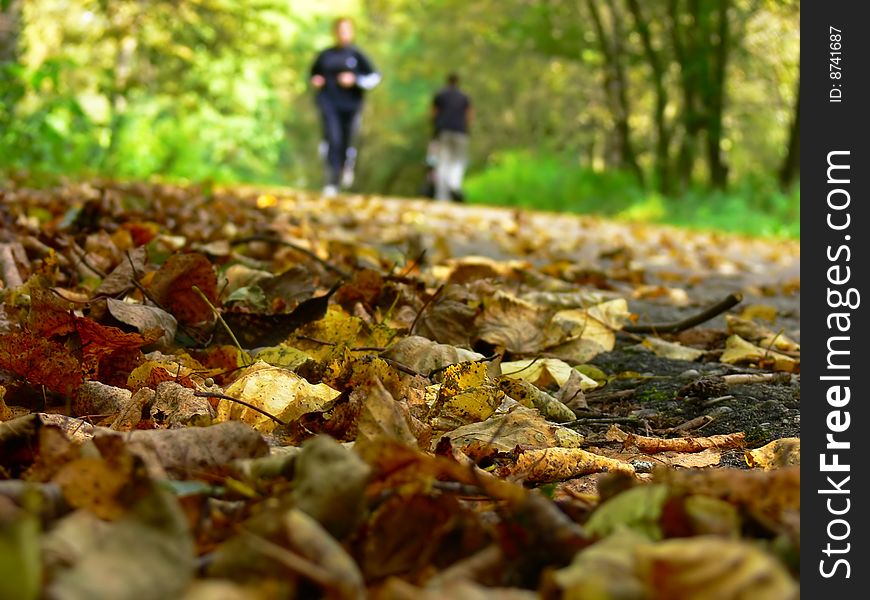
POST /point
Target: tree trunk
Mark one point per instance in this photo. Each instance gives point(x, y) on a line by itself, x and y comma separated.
point(616, 87)
point(685, 50)
point(715, 100)
point(11, 90)
point(657, 71)
point(790, 170)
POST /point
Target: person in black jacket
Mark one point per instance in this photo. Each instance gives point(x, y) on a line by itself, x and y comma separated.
point(451, 117)
point(341, 74)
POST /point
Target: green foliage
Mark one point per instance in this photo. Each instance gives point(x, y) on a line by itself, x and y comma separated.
point(548, 182)
point(217, 90)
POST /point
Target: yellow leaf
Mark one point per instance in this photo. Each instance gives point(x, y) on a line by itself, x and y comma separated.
point(704, 567)
point(543, 372)
point(520, 427)
point(557, 464)
point(513, 323)
point(671, 350)
point(283, 355)
point(779, 453)
point(277, 391)
point(738, 350)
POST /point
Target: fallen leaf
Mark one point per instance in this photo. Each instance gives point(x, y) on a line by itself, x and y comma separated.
point(651, 445)
point(465, 397)
point(520, 427)
point(425, 356)
point(514, 324)
point(277, 391)
point(145, 318)
point(738, 350)
point(712, 567)
point(544, 372)
point(784, 452)
point(557, 464)
point(329, 483)
point(172, 286)
point(528, 395)
point(671, 350)
point(639, 509)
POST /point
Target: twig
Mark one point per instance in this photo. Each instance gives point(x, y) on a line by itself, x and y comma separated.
point(521, 369)
point(274, 240)
point(400, 367)
point(297, 564)
point(690, 425)
point(148, 295)
point(596, 420)
point(479, 360)
point(242, 402)
point(424, 307)
point(413, 263)
point(743, 378)
point(608, 396)
point(705, 315)
point(82, 257)
point(315, 340)
point(220, 319)
point(712, 401)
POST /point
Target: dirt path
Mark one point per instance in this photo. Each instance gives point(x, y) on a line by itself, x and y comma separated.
point(666, 273)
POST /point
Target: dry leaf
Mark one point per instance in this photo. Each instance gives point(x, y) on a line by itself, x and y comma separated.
point(651, 445)
point(738, 350)
point(277, 391)
point(706, 567)
point(172, 286)
point(513, 324)
point(557, 464)
point(672, 350)
point(520, 427)
point(784, 452)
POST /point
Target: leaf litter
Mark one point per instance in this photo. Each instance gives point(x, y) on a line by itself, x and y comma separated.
point(269, 394)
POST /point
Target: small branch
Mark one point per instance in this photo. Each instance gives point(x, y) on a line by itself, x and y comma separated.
point(315, 340)
point(479, 360)
point(705, 315)
point(744, 378)
point(295, 563)
point(274, 240)
point(229, 331)
point(149, 296)
point(424, 307)
point(603, 397)
point(413, 264)
point(600, 420)
point(400, 367)
point(242, 402)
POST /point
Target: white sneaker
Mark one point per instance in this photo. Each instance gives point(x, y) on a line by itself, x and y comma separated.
point(347, 177)
point(330, 191)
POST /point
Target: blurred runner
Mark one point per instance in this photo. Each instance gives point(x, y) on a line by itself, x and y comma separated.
point(341, 74)
point(451, 115)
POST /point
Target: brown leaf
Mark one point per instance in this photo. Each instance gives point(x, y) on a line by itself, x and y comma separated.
point(783, 452)
point(557, 464)
point(514, 324)
point(172, 286)
point(40, 361)
point(651, 445)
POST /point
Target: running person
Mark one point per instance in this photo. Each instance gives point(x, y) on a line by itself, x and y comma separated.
point(341, 74)
point(451, 115)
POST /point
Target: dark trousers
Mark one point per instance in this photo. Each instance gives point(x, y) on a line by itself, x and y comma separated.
point(339, 128)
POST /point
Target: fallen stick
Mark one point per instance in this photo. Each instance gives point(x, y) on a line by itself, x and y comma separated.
point(705, 315)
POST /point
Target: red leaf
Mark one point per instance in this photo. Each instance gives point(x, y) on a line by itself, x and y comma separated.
point(172, 287)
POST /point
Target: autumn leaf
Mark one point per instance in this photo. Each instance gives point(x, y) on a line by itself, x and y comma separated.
point(172, 286)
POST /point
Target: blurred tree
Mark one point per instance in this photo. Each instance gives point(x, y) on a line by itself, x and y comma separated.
point(678, 93)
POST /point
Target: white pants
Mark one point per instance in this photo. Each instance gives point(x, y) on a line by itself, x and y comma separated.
point(452, 159)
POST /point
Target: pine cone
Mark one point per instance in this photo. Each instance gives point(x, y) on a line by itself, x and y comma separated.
point(703, 388)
